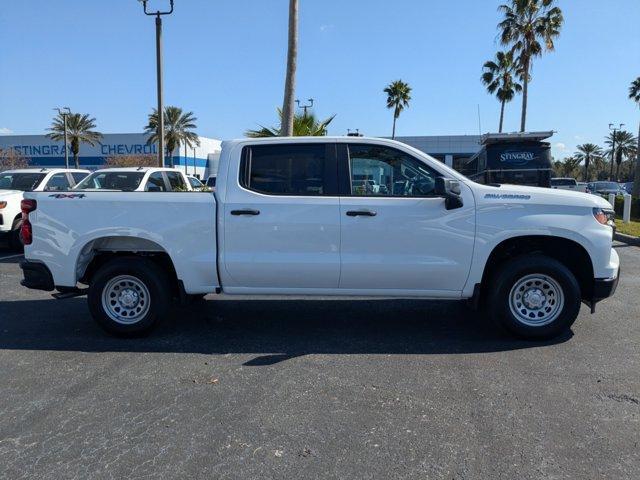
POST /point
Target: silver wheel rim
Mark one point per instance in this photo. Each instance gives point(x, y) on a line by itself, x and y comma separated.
point(536, 300)
point(125, 299)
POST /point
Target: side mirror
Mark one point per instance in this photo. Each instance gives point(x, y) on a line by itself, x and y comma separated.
point(153, 188)
point(449, 189)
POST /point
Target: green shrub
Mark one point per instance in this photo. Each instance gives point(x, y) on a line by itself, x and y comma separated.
point(635, 207)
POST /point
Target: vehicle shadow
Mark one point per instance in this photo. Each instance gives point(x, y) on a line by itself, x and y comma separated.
point(274, 330)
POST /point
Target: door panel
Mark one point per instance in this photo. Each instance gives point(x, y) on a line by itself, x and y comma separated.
point(396, 235)
point(287, 234)
point(410, 244)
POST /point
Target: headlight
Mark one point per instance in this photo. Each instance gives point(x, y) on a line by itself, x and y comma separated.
point(605, 216)
point(2, 205)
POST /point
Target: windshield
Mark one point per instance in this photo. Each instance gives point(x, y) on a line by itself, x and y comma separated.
point(125, 181)
point(607, 185)
point(562, 182)
point(20, 181)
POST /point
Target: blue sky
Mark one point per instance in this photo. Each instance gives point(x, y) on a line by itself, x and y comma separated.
point(224, 60)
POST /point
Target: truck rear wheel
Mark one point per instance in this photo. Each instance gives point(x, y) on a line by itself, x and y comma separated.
point(129, 296)
point(534, 297)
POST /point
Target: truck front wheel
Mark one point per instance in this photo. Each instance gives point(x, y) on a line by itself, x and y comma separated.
point(129, 296)
point(534, 297)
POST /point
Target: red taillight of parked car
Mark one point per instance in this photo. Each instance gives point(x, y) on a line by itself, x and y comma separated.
point(26, 231)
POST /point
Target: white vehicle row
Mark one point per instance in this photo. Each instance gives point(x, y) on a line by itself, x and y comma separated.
point(325, 216)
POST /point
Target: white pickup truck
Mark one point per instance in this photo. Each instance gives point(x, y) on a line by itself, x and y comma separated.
point(13, 184)
point(285, 219)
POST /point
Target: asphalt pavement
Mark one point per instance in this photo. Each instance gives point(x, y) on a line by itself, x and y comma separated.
point(242, 388)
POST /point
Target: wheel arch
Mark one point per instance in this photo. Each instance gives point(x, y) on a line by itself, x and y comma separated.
point(97, 252)
point(567, 251)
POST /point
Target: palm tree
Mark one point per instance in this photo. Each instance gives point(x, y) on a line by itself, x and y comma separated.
point(304, 125)
point(178, 128)
point(586, 152)
point(398, 97)
point(498, 77)
point(634, 94)
point(570, 166)
point(79, 130)
point(625, 147)
point(290, 79)
point(529, 27)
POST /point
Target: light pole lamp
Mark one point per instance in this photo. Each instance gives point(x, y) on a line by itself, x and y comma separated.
point(158, 14)
point(613, 146)
point(305, 107)
point(63, 112)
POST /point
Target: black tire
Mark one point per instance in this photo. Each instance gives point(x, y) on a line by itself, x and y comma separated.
point(196, 298)
point(517, 270)
point(154, 303)
point(15, 241)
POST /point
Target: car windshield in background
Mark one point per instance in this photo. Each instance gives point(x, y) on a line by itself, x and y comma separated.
point(20, 181)
point(124, 181)
point(606, 186)
point(562, 182)
point(195, 183)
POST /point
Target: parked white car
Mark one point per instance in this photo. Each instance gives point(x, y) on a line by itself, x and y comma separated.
point(285, 219)
point(140, 179)
point(566, 183)
point(13, 183)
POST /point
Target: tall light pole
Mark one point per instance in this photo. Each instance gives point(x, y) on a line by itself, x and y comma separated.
point(63, 112)
point(158, 14)
point(613, 146)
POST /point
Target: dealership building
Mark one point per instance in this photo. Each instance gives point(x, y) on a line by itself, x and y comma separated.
point(41, 151)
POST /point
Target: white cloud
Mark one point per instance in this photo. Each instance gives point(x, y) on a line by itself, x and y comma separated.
point(577, 137)
point(560, 146)
point(326, 27)
point(5, 131)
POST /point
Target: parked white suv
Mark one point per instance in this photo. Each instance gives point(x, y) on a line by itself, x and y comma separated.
point(136, 179)
point(13, 183)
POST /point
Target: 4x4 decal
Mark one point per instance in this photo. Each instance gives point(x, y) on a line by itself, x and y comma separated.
point(67, 195)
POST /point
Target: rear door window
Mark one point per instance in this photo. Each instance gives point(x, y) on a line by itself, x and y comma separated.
point(78, 177)
point(156, 183)
point(59, 181)
point(293, 169)
point(176, 181)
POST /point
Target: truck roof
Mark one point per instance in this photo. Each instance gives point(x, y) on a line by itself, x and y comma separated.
point(137, 169)
point(45, 170)
point(324, 139)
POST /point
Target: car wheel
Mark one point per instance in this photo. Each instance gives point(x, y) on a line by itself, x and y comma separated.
point(535, 297)
point(15, 241)
point(129, 296)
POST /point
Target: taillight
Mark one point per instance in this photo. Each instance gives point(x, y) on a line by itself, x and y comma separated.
point(26, 231)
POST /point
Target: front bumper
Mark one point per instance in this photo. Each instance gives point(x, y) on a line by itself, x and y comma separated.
point(36, 276)
point(605, 287)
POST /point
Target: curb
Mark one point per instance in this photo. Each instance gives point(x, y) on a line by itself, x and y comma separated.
point(628, 239)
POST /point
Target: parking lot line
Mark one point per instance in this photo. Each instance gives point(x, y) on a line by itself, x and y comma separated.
point(11, 256)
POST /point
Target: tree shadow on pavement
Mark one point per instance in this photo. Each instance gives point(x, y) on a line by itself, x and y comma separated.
point(275, 330)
